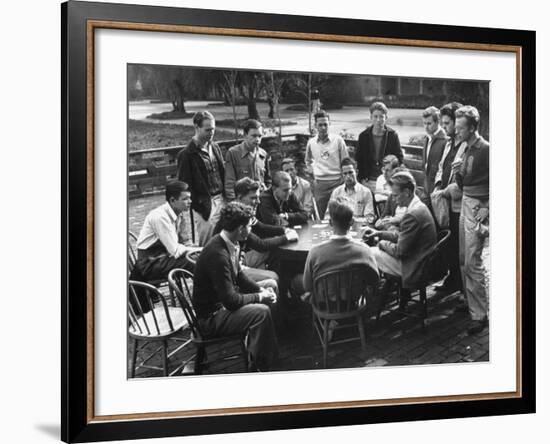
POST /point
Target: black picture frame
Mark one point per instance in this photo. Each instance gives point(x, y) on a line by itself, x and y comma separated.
point(78, 423)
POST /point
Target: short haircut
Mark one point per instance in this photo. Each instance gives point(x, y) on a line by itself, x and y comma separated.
point(378, 106)
point(341, 212)
point(449, 110)
point(404, 180)
point(251, 123)
point(234, 215)
point(201, 116)
point(470, 113)
point(321, 114)
point(348, 161)
point(287, 160)
point(433, 112)
point(174, 188)
point(391, 160)
point(279, 177)
point(245, 186)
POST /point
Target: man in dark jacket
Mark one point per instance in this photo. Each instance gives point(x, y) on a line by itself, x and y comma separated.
point(201, 166)
point(404, 253)
point(278, 206)
point(226, 301)
point(375, 143)
point(433, 148)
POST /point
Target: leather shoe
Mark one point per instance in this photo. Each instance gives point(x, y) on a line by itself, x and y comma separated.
point(477, 326)
point(447, 288)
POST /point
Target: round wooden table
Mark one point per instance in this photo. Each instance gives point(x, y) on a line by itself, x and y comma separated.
point(292, 256)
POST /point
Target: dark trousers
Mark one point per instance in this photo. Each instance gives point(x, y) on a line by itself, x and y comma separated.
point(454, 279)
point(152, 267)
point(252, 318)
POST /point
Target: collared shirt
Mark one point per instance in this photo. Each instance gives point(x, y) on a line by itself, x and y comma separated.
point(214, 177)
point(161, 225)
point(325, 157)
point(240, 162)
point(340, 236)
point(383, 189)
point(360, 195)
point(302, 191)
point(234, 251)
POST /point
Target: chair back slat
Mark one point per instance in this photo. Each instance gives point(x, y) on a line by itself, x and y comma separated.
point(132, 246)
point(341, 291)
point(140, 293)
point(178, 280)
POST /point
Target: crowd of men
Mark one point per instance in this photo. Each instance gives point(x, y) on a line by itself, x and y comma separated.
point(244, 211)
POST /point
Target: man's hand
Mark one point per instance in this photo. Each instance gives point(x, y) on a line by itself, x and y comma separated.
point(456, 165)
point(482, 214)
point(267, 296)
point(370, 233)
point(291, 235)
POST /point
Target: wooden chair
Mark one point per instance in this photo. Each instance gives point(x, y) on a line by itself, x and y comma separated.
point(178, 280)
point(339, 295)
point(315, 214)
point(434, 271)
point(192, 256)
point(152, 320)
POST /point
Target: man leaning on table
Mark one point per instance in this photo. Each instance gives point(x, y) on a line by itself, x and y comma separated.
point(404, 253)
point(358, 194)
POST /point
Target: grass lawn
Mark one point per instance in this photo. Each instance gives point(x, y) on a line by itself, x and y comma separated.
point(145, 135)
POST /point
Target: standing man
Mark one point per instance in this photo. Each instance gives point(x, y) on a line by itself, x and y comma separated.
point(472, 175)
point(375, 143)
point(433, 148)
point(301, 188)
point(278, 206)
point(247, 159)
point(445, 184)
point(324, 155)
point(227, 301)
point(200, 165)
point(159, 249)
point(359, 195)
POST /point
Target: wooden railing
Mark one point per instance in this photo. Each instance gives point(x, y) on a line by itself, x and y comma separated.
point(149, 170)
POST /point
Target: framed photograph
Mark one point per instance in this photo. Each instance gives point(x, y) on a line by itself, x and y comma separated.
point(275, 222)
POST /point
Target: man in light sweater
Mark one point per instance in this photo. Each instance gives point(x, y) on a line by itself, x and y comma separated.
point(324, 155)
point(472, 176)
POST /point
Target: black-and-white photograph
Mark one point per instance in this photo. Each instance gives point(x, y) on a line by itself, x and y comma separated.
point(282, 221)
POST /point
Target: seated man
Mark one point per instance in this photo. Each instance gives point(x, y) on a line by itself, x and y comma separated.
point(278, 206)
point(226, 301)
point(360, 195)
point(404, 253)
point(301, 188)
point(383, 188)
point(341, 251)
point(391, 216)
point(159, 249)
point(263, 238)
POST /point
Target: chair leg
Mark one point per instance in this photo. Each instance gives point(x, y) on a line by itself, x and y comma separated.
point(424, 301)
point(383, 293)
point(134, 358)
point(165, 357)
point(362, 334)
point(325, 342)
point(198, 360)
point(245, 355)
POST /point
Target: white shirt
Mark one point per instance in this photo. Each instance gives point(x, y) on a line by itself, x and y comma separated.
point(161, 225)
point(361, 197)
point(325, 158)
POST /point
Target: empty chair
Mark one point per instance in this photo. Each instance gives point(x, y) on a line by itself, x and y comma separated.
point(339, 295)
point(178, 280)
point(150, 319)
